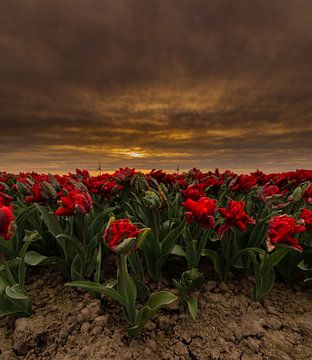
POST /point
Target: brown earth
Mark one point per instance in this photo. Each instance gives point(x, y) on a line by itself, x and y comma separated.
point(70, 324)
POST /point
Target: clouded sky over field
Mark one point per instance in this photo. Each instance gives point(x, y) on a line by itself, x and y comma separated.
point(155, 83)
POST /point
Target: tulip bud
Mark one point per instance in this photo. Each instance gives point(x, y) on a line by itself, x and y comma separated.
point(152, 199)
point(139, 183)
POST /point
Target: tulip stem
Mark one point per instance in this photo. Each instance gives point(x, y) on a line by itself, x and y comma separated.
point(156, 223)
point(126, 288)
point(196, 233)
point(84, 230)
point(4, 262)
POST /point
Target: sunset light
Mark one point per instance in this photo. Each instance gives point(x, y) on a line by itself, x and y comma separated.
point(135, 154)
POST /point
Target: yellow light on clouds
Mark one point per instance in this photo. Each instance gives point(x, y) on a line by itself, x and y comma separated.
point(135, 154)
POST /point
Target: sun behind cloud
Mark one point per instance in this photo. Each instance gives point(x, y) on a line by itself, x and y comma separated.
point(129, 153)
point(135, 154)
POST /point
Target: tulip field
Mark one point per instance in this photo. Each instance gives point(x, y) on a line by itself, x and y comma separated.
point(257, 225)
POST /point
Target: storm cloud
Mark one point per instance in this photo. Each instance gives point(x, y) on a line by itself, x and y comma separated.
point(155, 83)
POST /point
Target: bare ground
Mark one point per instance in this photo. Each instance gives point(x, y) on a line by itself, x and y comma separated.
point(70, 324)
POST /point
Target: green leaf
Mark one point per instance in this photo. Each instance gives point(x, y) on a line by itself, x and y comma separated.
point(91, 255)
point(126, 288)
point(288, 265)
point(111, 284)
point(179, 287)
point(29, 237)
point(303, 266)
point(98, 288)
point(191, 254)
point(178, 250)
point(200, 245)
point(32, 236)
point(23, 215)
point(216, 260)
point(50, 219)
point(4, 282)
point(213, 236)
point(74, 244)
point(142, 236)
point(191, 279)
point(136, 265)
point(169, 241)
point(155, 302)
point(125, 246)
point(76, 269)
point(257, 236)
point(6, 247)
point(193, 307)
point(265, 285)
point(15, 292)
point(142, 290)
point(274, 258)
point(226, 242)
point(159, 299)
point(99, 221)
point(13, 264)
point(151, 251)
point(98, 264)
point(33, 258)
point(14, 307)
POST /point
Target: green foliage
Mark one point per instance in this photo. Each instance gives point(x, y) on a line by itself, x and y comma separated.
point(263, 266)
point(126, 295)
point(78, 240)
point(190, 280)
point(13, 299)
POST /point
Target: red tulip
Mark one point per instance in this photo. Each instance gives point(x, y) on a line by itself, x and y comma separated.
point(5, 199)
point(234, 215)
point(118, 231)
point(308, 194)
point(201, 211)
point(194, 192)
point(243, 183)
point(306, 216)
point(281, 231)
point(124, 174)
point(75, 202)
point(159, 175)
point(6, 220)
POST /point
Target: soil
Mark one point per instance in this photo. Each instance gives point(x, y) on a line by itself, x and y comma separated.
point(70, 324)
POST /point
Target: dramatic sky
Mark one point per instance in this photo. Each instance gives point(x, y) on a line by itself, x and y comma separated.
point(155, 84)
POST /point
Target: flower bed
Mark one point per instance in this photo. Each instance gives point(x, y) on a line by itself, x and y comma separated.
point(258, 225)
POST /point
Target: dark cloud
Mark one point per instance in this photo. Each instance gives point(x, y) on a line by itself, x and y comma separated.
point(155, 83)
